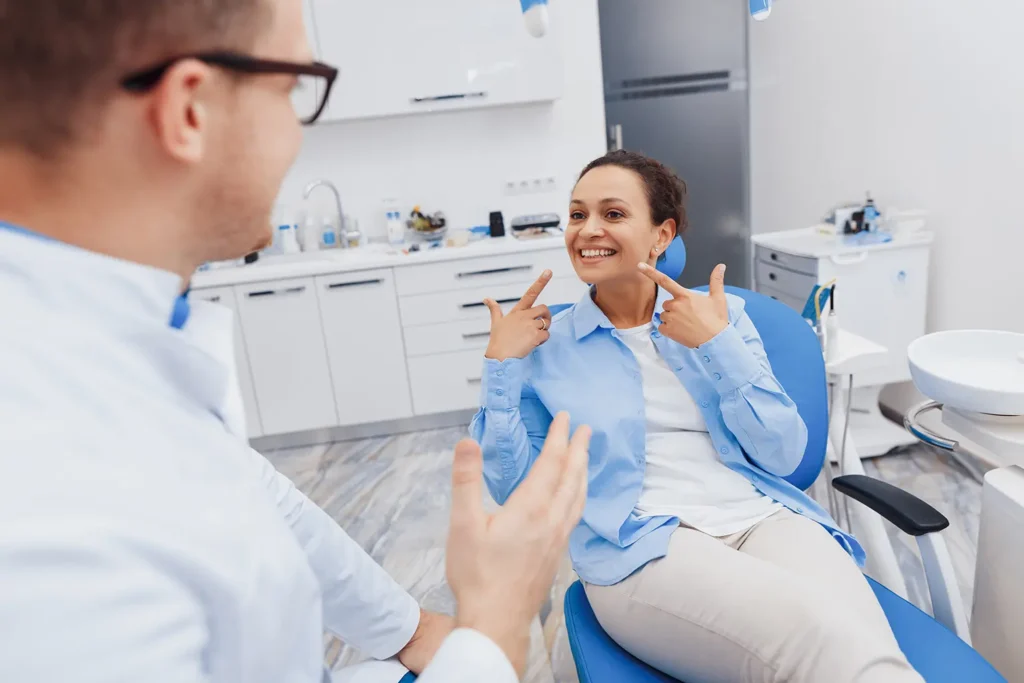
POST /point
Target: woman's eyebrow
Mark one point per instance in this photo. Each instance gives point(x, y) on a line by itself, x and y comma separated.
point(614, 200)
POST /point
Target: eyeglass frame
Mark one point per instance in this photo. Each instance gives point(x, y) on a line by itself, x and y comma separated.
point(148, 78)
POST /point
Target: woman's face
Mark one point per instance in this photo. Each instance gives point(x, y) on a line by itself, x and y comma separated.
point(610, 229)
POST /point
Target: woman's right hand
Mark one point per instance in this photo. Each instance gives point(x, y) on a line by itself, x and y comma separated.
point(524, 328)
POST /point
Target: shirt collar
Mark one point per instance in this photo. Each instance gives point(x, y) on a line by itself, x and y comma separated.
point(87, 282)
point(587, 317)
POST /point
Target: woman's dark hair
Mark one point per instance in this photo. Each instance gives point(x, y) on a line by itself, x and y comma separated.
point(666, 192)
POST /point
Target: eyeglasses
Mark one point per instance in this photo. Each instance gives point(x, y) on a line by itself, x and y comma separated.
point(309, 97)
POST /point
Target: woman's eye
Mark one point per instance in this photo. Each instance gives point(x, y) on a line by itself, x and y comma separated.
point(615, 215)
point(576, 216)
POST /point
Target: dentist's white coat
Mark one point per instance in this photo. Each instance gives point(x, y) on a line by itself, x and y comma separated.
point(141, 539)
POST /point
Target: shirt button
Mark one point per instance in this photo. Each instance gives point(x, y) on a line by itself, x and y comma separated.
point(718, 375)
point(723, 450)
point(800, 510)
point(707, 359)
point(499, 392)
point(501, 373)
point(704, 404)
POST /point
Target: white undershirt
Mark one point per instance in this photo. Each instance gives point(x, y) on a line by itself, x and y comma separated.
point(685, 477)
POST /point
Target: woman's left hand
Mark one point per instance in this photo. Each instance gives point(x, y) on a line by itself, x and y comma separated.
point(691, 318)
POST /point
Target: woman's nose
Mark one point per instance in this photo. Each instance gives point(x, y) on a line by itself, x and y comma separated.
point(592, 228)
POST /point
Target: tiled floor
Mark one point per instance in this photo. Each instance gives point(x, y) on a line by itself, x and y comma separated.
point(391, 495)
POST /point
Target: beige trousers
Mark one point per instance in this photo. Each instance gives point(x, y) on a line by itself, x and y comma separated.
point(779, 602)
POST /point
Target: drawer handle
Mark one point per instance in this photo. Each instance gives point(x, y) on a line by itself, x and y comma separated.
point(475, 335)
point(474, 380)
point(481, 304)
point(775, 257)
point(495, 271)
point(773, 276)
point(357, 283)
point(446, 98)
point(214, 299)
point(849, 260)
point(274, 292)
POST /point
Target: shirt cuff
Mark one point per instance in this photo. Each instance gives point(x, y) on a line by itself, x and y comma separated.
point(468, 656)
point(409, 626)
point(728, 362)
point(501, 384)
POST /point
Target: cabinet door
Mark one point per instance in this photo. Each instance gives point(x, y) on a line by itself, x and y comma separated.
point(285, 341)
point(225, 296)
point(408, 56)
point(364, 346)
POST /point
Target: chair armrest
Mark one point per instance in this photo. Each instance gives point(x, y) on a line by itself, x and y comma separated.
point(908, 512)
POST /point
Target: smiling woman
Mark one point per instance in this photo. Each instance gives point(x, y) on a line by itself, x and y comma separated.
point(696, 555)
point(626, 209)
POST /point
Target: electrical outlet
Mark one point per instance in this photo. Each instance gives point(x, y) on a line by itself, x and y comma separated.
point(536, 185)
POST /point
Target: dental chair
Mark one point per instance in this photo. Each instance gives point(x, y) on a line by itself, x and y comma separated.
point(934, 650)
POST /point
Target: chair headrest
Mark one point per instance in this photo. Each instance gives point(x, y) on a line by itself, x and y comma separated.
point(674, 260)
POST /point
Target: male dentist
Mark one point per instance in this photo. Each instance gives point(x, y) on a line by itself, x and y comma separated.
point(141, 539)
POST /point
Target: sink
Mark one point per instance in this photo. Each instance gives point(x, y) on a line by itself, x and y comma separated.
point(980, 371)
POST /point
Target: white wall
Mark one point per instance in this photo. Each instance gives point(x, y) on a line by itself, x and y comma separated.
point(922, 103)
point(459, 161)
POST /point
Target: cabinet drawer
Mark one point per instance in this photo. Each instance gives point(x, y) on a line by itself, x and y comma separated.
point(489, 271)
point(285, 341)
point(430, 309)
point(793, 302)
point(445, 382)
point(801, 264)
point(462, 335)
point(367, 369)
point(796, 285)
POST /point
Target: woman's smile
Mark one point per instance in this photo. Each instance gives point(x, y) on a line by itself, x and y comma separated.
point(595, 255)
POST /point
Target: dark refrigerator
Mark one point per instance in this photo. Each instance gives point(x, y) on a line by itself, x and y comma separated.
point(675, 77)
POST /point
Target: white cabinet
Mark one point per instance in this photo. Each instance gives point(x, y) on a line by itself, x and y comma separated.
point(410, 56)
point(225, 296)
point(364, 346)
point(285, 341)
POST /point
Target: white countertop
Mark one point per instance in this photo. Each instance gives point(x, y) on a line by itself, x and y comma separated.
point(811, 242)
point(334, 261)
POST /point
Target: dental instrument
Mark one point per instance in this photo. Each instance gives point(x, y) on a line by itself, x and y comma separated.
point(760, 9)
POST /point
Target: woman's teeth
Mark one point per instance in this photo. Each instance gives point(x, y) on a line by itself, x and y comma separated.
point(594, 253)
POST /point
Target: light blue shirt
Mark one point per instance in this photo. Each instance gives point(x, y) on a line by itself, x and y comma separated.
point(585, 369)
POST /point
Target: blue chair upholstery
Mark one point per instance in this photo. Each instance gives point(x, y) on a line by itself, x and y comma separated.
point(795, 355)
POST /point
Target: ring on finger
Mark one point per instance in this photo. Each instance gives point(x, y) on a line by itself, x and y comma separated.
point(543, 324)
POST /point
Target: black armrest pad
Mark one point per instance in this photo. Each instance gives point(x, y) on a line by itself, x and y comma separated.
point(911, 514)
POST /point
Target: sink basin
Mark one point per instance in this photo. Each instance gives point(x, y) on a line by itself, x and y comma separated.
point(980, 371)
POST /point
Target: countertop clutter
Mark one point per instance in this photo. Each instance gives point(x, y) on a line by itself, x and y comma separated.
point(365, 258)
point(372, 335)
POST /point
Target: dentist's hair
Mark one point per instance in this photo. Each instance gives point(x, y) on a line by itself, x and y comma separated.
point(666, 192)
point(62, 60)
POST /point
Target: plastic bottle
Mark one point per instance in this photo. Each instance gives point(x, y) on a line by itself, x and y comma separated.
point(288, 239)
point(328, 237)
point(311, 233)
point(871, 215)
point(393, 221)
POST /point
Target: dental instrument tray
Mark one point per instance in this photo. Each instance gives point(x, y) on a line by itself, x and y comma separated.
point(539, 223)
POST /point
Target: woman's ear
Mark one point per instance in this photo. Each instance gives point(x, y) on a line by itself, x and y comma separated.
point(666, 233)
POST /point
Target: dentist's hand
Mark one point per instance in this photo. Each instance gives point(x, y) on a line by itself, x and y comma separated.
point(501, 566)
point(691, 318)
point(524, 328)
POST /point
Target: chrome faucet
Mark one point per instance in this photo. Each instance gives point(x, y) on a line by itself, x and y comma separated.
point(345, 236)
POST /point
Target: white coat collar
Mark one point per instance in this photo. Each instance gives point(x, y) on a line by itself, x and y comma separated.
point(84, 282)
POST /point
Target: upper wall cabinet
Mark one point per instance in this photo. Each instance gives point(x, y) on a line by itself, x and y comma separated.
point(409, 56)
